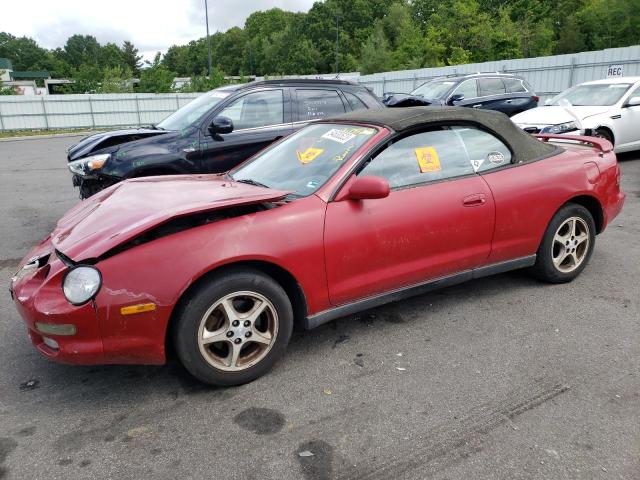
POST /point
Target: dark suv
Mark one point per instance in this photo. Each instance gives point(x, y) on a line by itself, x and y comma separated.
point(214, 132)
point(506, 93)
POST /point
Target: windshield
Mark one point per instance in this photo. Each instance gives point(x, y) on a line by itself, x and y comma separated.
point(591, 95)
point(304, 161)
point(192, 111)
point(433, 89)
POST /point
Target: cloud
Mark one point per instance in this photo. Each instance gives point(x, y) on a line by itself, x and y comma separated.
point(152, 25)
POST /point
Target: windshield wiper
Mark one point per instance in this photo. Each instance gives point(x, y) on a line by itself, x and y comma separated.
point(249, 181)
point(153, 126)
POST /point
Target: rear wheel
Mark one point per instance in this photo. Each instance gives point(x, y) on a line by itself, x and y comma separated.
point(233, 329)
point(566, 246)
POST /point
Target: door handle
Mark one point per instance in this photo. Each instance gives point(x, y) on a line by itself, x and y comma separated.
point(474, 200)
point(477, 105)
point(508, 101)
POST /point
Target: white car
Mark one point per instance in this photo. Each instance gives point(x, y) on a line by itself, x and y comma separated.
point(604, 108)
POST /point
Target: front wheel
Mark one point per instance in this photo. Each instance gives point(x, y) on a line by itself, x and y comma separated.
point(566, 246)
point(233, 329)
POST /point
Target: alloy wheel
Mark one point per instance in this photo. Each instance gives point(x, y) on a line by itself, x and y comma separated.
point(238, 331)
point(570, 244)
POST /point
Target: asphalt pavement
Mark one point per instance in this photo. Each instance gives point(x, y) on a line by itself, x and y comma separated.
point(498, 378)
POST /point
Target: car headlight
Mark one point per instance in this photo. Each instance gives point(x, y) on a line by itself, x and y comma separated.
point(561, 128)
point(88, 165)
point(81, 284)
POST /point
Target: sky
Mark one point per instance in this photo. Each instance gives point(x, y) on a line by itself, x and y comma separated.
point(152, 25)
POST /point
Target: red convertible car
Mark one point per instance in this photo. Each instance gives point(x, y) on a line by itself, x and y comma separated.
point(344, 215)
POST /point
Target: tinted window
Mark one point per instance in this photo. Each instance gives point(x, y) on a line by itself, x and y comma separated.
point(256, 109)
point(514, 85)
point(491, 86)
point(314, 104)
point(485, 152)
point(468, 88)
point(354, 102)
point(422, 157)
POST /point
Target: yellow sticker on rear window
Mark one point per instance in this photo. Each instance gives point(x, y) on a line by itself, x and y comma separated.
point(428, 159)
point(308, 155)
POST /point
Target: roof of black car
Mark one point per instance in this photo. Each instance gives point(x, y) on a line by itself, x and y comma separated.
point(285, 82)
point(524, 145)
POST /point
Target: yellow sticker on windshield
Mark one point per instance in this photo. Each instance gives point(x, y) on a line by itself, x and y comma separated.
point(308, 155)
point(428, 159)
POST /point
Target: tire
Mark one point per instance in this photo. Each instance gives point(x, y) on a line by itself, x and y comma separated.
point(224, 312)
point(566, 246)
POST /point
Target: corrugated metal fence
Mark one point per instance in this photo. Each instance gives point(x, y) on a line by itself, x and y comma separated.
point(548, 75)
point(88, 110)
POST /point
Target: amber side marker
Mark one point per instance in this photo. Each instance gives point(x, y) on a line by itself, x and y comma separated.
point(141, 307)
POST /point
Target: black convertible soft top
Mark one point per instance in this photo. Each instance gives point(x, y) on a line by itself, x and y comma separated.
point(525, 147)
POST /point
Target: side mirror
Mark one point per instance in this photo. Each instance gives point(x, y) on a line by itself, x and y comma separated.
point(633, 102)
point(368, 187)
point(547, 102)
point(221, 125)
point(458, 97)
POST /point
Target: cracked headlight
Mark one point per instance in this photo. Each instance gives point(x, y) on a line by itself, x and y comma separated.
point(88, 165)
point(561, 128)
point(81, 284)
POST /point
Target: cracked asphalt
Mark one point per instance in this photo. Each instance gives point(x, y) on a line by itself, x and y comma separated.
point(499, 378)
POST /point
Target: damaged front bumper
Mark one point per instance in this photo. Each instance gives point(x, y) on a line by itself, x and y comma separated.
point(58, 330)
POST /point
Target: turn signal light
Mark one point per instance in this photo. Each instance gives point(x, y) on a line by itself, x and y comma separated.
point(141, 307)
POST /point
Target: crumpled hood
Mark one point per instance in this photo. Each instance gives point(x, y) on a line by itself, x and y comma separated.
point(102, 140)
point(399, 100)
point(555, 115)
point(127, 209)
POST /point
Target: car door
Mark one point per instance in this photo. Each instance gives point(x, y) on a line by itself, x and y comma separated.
point(437, 220)
point(259, 118)
point(314, 104)
point(627, 126)
point(468, 88)
point(493, 94)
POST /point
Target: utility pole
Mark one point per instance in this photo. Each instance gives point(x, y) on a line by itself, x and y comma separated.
point(337, 45)
point(206, 16)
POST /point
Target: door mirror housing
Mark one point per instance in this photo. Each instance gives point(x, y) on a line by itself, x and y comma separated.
point(220, 125)
point(368, 187)
point(633, 102)
point(547, 102)
point(457, 97)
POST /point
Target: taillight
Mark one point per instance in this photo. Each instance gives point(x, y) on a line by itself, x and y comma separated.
point(536, 98)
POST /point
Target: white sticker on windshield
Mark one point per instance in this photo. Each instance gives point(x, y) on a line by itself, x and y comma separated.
point(340, 136)
point(476, 164)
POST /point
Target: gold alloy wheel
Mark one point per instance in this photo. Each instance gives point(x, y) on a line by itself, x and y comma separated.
point(238, 331)
point(570, 244)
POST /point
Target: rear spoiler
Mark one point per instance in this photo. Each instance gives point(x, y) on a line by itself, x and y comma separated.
point(604, 145)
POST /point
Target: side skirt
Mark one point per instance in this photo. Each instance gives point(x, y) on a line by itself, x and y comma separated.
point(320, 318)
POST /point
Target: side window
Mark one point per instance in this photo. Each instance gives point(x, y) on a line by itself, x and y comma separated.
point(314, 104)
point(354, 102)
point(422, 157)
point(514, 85)
point(491, 86)
point(485, 152)
point(258, 109)
point(468, 88)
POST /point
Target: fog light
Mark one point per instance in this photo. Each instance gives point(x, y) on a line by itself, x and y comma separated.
point(51, 343)
point(56, 329)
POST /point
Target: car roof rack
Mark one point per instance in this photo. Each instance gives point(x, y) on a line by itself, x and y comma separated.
point(330, 81)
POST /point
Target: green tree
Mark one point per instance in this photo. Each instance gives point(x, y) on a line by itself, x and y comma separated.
point(156, 78)
point(131, 58)
point(82, 50)
point(116, 80)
